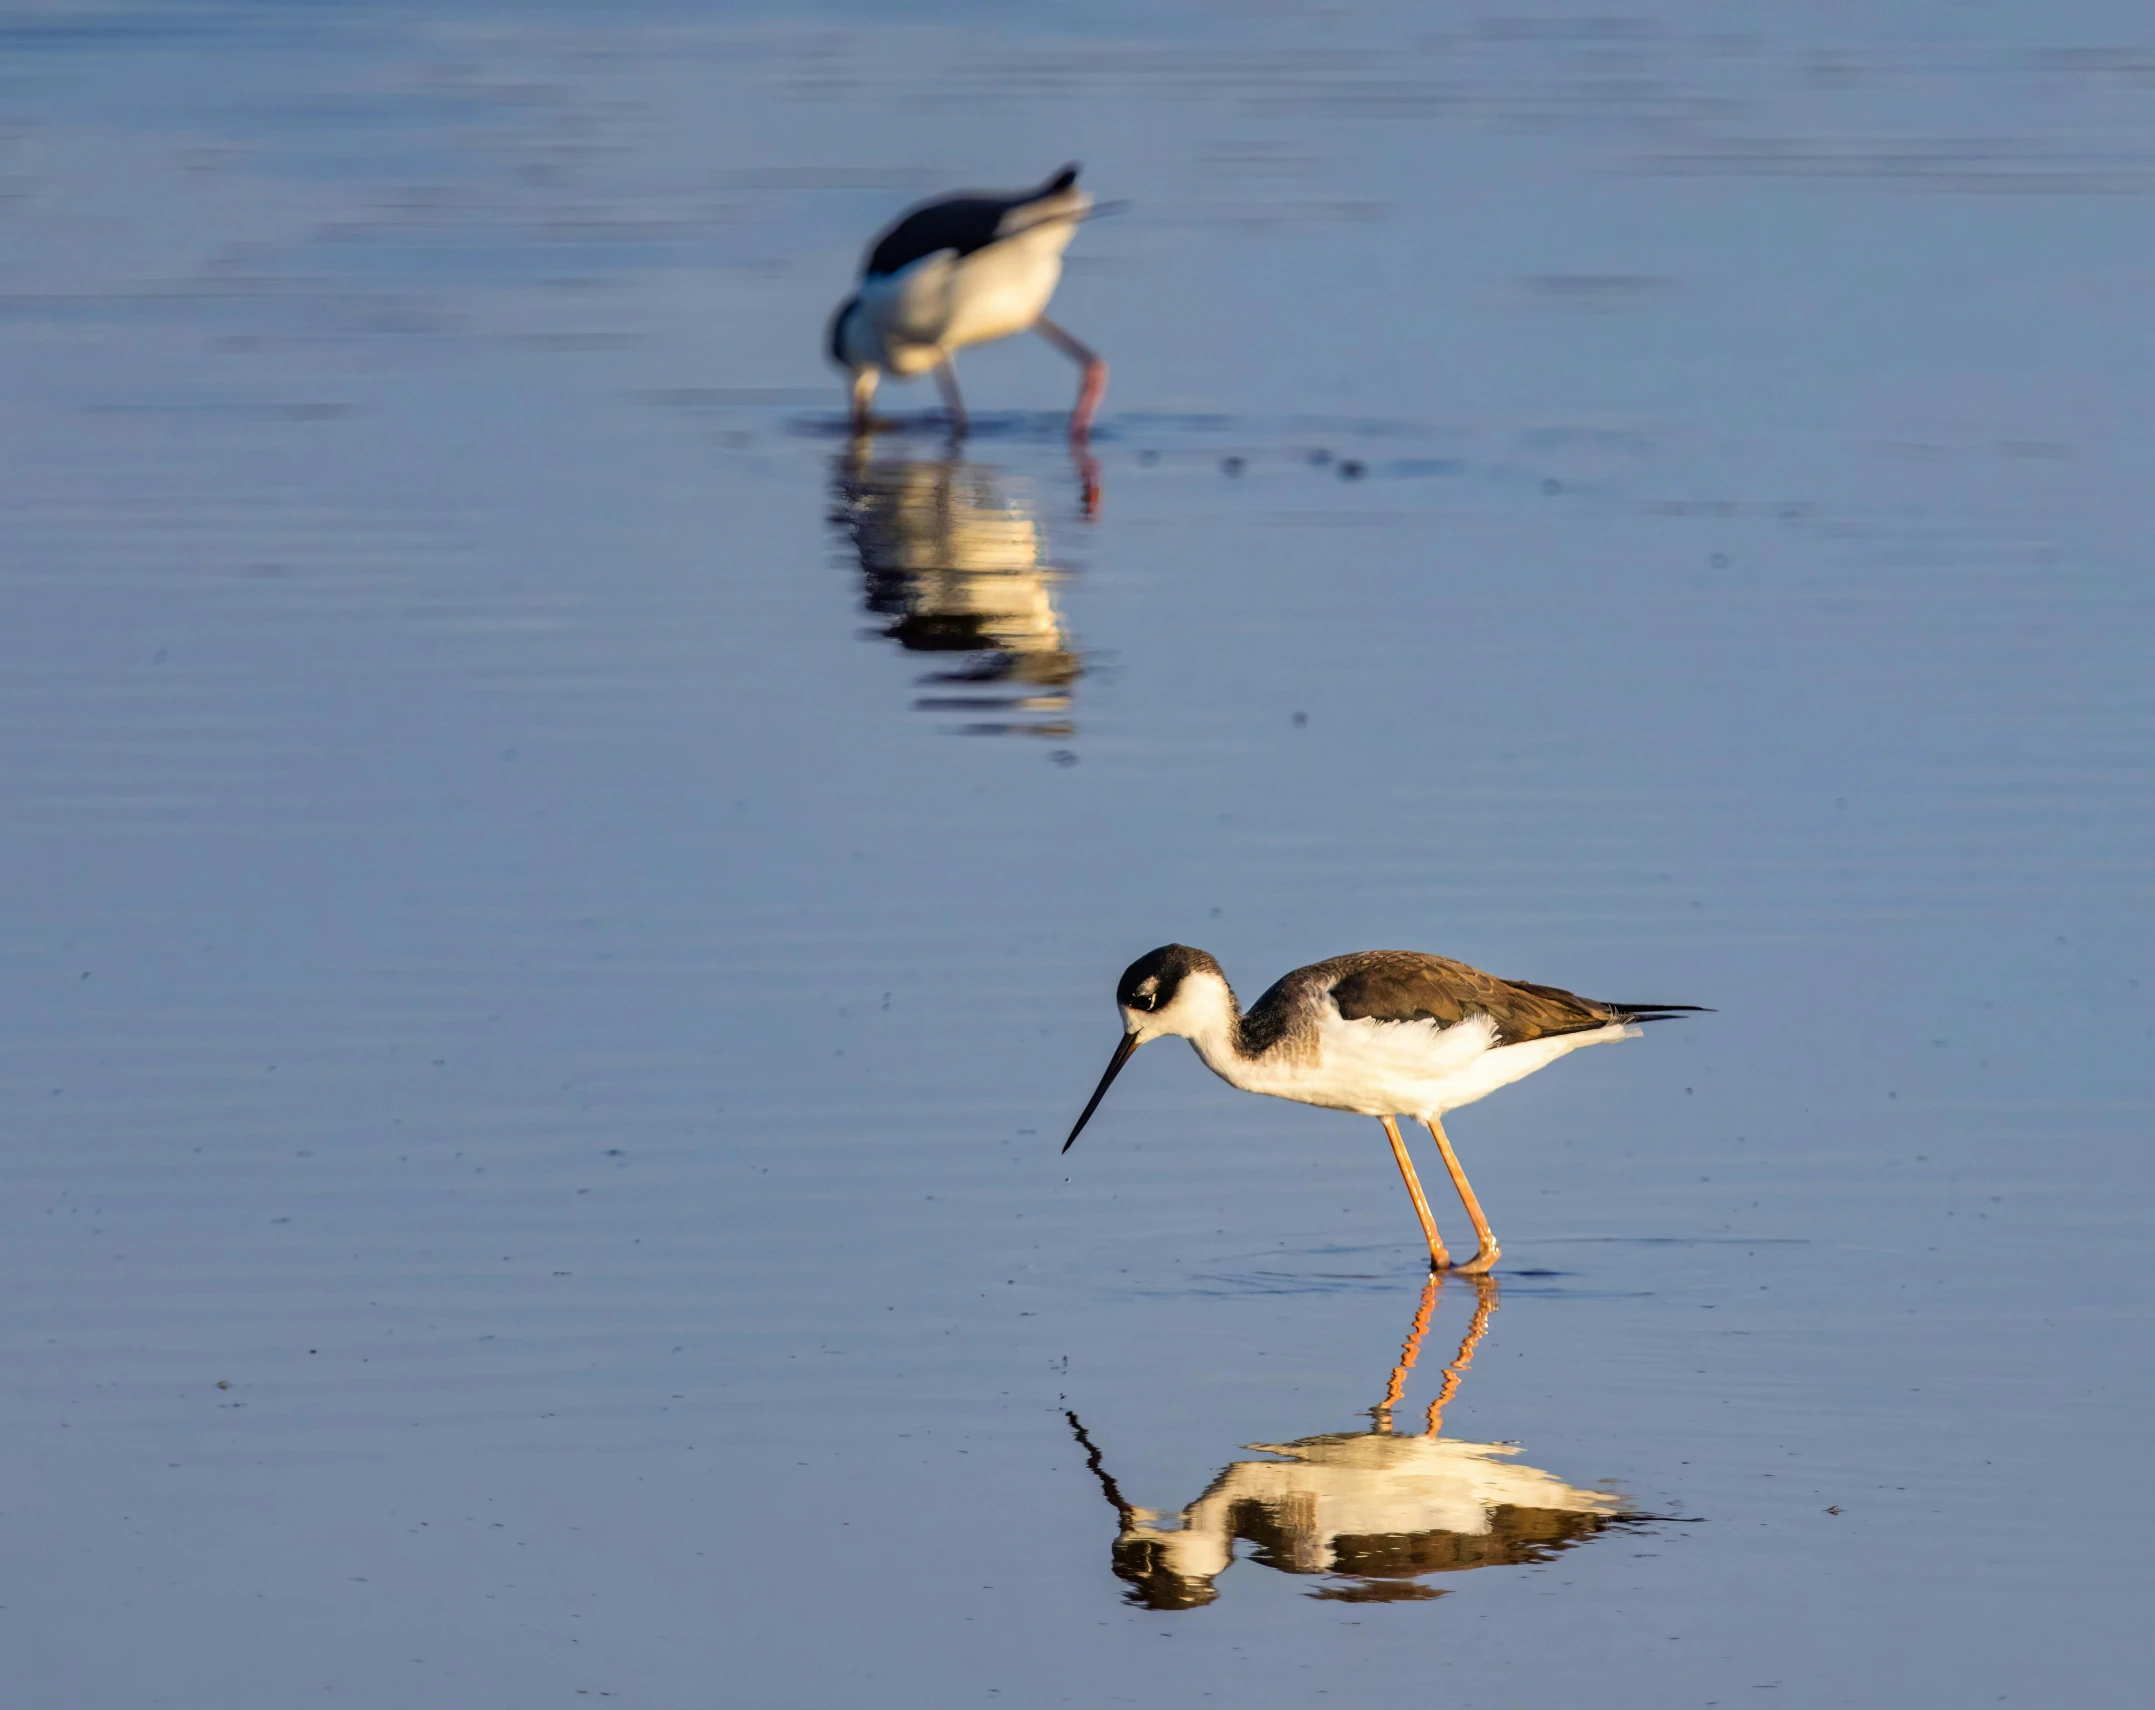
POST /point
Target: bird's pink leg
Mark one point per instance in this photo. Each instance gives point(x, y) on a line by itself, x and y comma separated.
point(1094, 385)
point(1439, 1259)
point(1488, 1252)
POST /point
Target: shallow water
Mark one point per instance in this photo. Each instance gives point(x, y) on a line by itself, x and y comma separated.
point(557, 916)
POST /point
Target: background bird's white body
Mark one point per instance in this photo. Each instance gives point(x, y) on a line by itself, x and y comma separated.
point(961, 270)
point(912, 320)
point(1372, 1068)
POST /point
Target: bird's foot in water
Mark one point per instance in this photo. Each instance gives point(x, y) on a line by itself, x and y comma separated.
point(1088, 474)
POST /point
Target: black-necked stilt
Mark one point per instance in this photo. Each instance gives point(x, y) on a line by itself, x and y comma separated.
point(1375, 1508)
point(960, 270)
point(1382, 1033)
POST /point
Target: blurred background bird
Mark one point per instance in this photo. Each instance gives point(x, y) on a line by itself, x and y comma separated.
point(958, 270)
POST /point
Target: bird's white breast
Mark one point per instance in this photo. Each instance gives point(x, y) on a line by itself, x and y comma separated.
point(1399, 1068)
point(909, 311)
point(1005, 288)
point(1380, 1068)
point(945, 301)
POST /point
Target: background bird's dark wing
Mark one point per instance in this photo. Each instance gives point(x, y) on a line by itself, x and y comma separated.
point(1404, 985)
point(965, 222)
point(962, 223)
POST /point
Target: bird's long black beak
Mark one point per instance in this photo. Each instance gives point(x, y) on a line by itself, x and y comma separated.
point(1114, 1068)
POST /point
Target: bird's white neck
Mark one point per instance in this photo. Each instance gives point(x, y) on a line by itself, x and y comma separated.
point(1206, 1014)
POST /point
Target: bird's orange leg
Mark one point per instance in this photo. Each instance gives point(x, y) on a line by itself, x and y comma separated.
point(1488, 1252)
point(1485, 1302)
point(1439, 1259)
point(1094, 385)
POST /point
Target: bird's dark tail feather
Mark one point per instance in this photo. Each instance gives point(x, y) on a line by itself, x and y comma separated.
point(1659, 1011)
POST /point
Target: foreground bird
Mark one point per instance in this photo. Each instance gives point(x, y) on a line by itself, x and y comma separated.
point(1383, 1033)
point(960, 270)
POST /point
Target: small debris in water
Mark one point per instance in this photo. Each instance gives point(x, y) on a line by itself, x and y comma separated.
point(1231, 465)
point(1352, 469)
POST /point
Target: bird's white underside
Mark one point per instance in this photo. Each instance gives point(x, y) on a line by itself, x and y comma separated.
point(1372, 1068)
point(916, 317)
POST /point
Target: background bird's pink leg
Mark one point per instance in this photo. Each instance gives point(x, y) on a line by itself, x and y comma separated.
point(1094, 385)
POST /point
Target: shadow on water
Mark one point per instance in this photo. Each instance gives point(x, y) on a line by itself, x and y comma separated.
point(954, 560)
point(1374, 1511)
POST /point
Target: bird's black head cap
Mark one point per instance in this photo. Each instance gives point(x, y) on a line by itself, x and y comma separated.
point(1151, 981)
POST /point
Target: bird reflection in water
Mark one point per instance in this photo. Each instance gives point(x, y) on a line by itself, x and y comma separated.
point(1373, 1510)
point(955, 563)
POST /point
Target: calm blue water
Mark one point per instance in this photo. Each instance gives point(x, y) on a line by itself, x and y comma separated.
point(556, 918)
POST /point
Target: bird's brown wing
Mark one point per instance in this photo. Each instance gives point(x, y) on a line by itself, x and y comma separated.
point(1406, 985)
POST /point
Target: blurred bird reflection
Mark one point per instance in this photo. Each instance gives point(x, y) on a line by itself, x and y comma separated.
point(1373, 1511)
point(954, 560)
